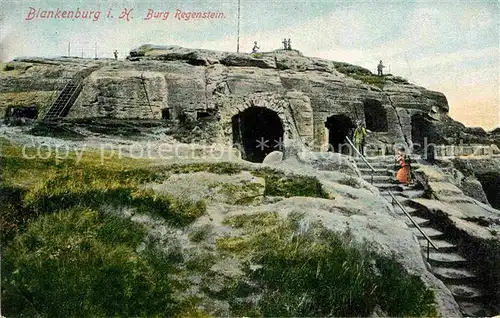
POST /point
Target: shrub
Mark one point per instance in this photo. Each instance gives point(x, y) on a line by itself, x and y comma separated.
point(278, 184)
point(9, 67)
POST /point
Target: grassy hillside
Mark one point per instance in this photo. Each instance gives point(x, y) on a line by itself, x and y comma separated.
point(68, 249)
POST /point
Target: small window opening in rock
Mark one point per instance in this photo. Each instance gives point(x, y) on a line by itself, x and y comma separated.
point(165, 114)
point(339, 127)
point(257, 131)
point(375, 116)
point(200, 115)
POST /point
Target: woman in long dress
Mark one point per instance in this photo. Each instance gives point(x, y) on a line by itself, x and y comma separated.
point(404, 173)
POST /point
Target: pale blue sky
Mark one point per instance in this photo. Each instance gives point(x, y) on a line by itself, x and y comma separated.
point(449, 46)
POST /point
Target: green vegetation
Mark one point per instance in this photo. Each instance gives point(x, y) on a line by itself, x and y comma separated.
point(279, 184)
point(78, 263)
point(64, 255)
point(350, 181)
point(258, 55)
point(306, 270)
point(41, 187)
point(360, 73)
point(8, 67)
point(13, 68)
point(40, 99)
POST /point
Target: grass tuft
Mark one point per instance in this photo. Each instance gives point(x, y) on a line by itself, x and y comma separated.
point(79, 262)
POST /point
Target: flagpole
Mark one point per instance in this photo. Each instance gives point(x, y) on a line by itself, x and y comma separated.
point(238, 42)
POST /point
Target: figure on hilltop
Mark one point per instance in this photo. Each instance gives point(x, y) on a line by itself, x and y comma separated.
point(115, 53)
point(285, 44)
point(380, 68)
point(289, 44)
point(255, 48)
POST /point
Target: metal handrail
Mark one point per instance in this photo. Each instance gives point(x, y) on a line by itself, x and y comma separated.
point(362, 157)
point(429, 241)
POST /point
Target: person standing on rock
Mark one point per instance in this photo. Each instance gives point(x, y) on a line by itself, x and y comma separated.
point(115, 53)
point(404, 173)
point(289, 44)
point(255, 48)
point(285, 44)
point(380, 68)
point(359, 137)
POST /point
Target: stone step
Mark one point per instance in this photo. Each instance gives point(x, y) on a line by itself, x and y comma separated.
point(420, 221)
point(378, 172)
point(385, 158)
point(429, 231)
point(405, 202)
point(388, 186)
point(413, 193)
point(444, 246)
point(411, 210)
point(447, 259)
point(384, 179)
point(465, 292)
point(401, 200)
point(375, 158)
point(475, 309)
point(455, 275)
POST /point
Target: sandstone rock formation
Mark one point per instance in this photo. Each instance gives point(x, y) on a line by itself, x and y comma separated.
point(310, 100)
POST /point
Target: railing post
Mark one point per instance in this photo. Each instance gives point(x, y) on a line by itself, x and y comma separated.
point(372, 177)
point(428, 250)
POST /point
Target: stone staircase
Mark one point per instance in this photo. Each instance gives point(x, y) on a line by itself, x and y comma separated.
point(446, 263)
point(64, 100)
point(68, 95)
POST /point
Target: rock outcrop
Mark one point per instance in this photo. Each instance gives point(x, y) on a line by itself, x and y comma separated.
point(317, 101)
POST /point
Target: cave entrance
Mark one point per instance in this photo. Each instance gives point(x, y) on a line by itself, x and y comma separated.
point(422, 135)
point(257, 131)
point(491, 187)
point(30, 112)
point(375, 116)
point(339, 127)
point(165, 114)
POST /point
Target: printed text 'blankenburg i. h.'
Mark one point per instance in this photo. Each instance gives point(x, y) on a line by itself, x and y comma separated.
point(125, 14)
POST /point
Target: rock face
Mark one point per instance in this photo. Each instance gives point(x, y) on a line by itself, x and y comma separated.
point(273, 158)
point(315, 101)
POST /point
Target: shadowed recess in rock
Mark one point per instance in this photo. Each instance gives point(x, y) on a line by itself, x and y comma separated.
point(257, 131)
point(375, 115)
point(491, 187)
point(422, 133)
point(339, 127)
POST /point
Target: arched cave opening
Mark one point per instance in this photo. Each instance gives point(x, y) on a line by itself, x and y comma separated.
point(491, 187)
point(375, 116)
point(339, 127)
point(257, 131)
